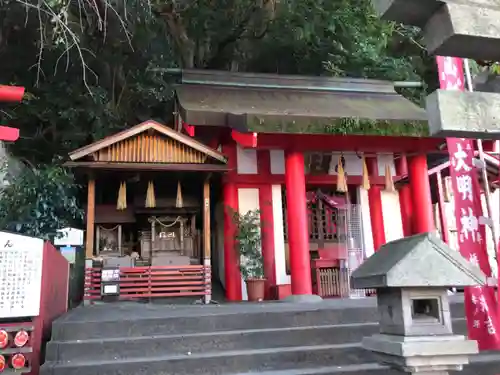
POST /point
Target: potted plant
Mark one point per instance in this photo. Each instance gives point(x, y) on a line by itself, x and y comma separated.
point(249, 244)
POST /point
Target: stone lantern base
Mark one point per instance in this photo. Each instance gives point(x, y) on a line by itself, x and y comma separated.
point(422, 355)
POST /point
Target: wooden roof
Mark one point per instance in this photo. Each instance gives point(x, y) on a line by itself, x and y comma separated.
point(149, 146)
point(139, 144)
point(288, 104)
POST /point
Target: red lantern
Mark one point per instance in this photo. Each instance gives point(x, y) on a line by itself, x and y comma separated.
point(18, 361)
point(21, 338)
point(2, 363)
point(4, 339)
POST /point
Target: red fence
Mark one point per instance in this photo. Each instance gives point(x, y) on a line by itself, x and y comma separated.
point(153, 282)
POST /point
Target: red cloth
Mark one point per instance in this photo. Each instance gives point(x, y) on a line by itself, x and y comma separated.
point(480, 303)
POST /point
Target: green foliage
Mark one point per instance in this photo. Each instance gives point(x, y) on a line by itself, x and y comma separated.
point(113, 76)
point(94, 67)
point(39, 201)
point(249, 243)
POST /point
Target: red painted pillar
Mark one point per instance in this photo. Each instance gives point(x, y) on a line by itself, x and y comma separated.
point(267, 228)
point(298, 236)
point(423, 220)
point(231, 257)
point(232, 273)
point(404, 197)
point(375, 203)
point(267, 222)
point(406, 209)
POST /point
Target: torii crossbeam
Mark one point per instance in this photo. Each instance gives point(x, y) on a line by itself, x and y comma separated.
point(10, 94)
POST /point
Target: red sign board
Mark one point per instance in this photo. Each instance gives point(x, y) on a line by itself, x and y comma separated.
point(480, 306)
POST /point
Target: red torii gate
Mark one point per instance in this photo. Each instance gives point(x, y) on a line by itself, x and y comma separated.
point(10, 94)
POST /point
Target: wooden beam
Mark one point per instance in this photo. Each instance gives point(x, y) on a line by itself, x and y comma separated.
point(352, 143)
point(324, 179)
point(206, 229)
point(445, 233)
point(147, 166)
point(439, 168)
point(89, 245)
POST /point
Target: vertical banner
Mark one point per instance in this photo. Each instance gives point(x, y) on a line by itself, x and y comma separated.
point(480, 304)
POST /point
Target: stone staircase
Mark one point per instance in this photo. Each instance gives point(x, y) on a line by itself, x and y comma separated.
point(269, 338)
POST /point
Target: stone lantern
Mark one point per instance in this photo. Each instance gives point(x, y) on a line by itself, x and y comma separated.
point(412, 277)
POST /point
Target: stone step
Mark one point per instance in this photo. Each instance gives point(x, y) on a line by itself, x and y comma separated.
point(345, 359)
point(130, 347)
point(129, 320)
point(483, 364)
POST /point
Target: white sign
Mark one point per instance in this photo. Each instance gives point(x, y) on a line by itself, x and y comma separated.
point(21, 260)
point(69, 237)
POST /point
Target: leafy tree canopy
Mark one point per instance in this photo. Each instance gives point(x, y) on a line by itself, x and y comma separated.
point(40, 201)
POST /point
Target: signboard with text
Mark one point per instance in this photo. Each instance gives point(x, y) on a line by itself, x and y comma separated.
point(21, 260)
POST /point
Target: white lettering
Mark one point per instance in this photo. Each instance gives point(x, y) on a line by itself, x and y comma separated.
point(489, 326)
point(483, 306)
point(474, 260)
point(470, 225)
point(449, 66)
point(460, 157)
point(464, 186)
point(450, 75)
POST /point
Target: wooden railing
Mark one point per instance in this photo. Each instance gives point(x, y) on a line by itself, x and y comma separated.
point(153, 282)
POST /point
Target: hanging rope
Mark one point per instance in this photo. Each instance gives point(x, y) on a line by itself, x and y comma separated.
point(108, 229)
point(179, 218)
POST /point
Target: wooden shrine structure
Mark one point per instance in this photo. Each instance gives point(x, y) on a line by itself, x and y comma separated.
point(148, 209)
point(287, 146)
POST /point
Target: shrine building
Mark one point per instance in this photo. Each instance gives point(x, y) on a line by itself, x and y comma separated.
point(336, 168)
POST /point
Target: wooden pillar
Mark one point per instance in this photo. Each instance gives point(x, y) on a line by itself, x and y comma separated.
point(267, 222)
point(206, 239)
point(423, 217)
point(375, 203)
point(232, 274)
point(298, 235)
point(445, 234)
point(404, 197)
point(89, 244)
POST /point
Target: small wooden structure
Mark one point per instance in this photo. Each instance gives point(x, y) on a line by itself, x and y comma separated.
point(148, 205)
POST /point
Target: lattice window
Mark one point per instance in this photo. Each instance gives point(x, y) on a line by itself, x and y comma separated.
point(324, 223)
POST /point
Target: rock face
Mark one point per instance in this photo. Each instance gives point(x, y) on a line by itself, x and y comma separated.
point(464, 114)
point(9, 166)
